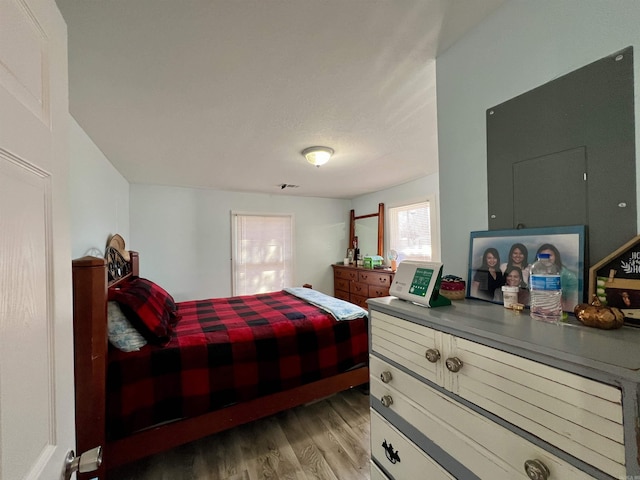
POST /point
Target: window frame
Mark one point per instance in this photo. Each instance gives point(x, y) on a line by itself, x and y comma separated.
point(434, 222)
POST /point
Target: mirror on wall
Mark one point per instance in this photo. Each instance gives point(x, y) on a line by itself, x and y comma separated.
point(370, 232)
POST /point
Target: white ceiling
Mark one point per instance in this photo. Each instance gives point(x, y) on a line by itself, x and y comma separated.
point(225, 94)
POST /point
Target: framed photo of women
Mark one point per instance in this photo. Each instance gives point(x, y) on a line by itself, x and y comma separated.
point(504, 257)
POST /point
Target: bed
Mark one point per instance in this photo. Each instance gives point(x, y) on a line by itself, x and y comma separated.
point(225, 362)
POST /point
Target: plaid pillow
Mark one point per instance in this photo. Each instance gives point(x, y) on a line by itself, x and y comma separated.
point(164, 297)
point(145, 305)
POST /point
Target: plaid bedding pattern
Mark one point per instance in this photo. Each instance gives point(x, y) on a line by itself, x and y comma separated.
point(228, 350)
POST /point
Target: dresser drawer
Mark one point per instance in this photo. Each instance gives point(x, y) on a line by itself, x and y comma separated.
point(361, 289)
point(349, 274)
point(378, 291)
point(376, 473)
point(375, 278)
point(578, 415)
point(406, 460)
point(341, 284)
point(482, 446)
point(358, 300)
point(407, 344)
point(342, 295)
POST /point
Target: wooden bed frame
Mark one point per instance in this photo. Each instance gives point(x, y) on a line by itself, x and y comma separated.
point(91, 347)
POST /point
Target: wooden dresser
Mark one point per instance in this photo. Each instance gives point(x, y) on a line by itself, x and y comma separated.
point(356, 284)
point(474, 390)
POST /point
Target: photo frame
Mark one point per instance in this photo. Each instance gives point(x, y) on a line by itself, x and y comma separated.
point(350, 254)
point(567, 244)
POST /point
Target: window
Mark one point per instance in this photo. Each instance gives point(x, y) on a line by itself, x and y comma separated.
point(262, 253)
point(412, 231)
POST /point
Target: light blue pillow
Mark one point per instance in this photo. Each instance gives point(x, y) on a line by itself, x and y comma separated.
point(122, 334)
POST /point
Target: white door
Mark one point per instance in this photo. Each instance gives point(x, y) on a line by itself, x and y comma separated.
point(36, 343)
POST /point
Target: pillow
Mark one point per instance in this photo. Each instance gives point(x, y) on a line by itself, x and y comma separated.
point(122, 335)
point(162, 296)
point(145, 308)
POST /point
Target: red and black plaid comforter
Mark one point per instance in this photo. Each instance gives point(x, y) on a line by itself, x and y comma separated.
point(229, 350)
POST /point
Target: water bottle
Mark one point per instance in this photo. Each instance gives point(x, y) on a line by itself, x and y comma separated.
point(546, 293)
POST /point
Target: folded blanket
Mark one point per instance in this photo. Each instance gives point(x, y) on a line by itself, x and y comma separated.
point(340, 309)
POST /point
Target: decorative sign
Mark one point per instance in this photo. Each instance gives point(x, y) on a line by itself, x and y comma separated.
point(616, 280)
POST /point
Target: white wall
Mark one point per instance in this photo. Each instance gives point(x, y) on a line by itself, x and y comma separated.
point(411, 192)
point(524, 44)
point(99, 197)
point(184, 236)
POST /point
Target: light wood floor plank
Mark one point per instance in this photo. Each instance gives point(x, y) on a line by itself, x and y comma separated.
point(326, 440)
point(348, 439)
point(311, 459)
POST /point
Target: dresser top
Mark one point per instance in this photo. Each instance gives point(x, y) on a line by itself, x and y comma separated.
point(573, 346)
point(352, 267)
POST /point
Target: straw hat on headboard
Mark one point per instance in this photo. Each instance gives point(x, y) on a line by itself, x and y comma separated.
point(117, 242)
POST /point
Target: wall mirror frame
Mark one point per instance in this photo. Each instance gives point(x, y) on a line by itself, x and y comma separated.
point(380, 233)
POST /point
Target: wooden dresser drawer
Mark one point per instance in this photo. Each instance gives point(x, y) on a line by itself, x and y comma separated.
point(359, 300)
point(578, 415)
point(378, 291)
point(342, 295)
point(409, 462)
point(375, 278)
point(482, 446)
point(361, 289)
point(341, 284)
point(346, 273)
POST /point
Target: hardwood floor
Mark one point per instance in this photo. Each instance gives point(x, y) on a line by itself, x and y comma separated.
point(328, 439)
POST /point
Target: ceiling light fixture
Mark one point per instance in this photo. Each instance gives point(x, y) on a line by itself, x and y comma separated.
point(317, 155)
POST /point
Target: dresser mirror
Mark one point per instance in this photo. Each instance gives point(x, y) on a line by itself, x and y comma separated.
point(370, 232)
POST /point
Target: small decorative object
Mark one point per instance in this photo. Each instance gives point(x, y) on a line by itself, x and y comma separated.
point(350, 255)
point(393, 260)
point(453, 287)
point(599, 316)
point(509, 296)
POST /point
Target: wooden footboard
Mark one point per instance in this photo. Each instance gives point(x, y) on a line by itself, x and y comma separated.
point(90, 288)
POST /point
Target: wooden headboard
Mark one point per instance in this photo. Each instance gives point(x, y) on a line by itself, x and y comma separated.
point(90, 292)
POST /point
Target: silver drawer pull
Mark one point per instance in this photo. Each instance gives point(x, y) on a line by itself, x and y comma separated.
point(536, 470)
point(454, 364)
point(385, 377)
point(432, 355)
point(386, 400)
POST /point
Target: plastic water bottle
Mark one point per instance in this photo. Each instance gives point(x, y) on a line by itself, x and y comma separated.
point(546, 291)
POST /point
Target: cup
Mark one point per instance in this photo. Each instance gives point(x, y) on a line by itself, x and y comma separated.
point(345, 261)
point(510, 296)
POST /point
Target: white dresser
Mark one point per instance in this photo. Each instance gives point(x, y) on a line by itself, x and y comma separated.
point(474, 390)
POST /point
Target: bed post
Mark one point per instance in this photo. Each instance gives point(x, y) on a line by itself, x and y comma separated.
point(90, 353)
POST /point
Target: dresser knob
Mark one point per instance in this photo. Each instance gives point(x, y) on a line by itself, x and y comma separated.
point(454, 364)
point(385, 377)
point(386, 400)
point(432, 355)
point(536, 470)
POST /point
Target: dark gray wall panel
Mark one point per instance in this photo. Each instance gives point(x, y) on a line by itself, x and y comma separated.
point(564, 154)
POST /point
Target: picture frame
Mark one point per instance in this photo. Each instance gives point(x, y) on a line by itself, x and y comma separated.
point(350, 254)
point(566, 243)
point(615, 280)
